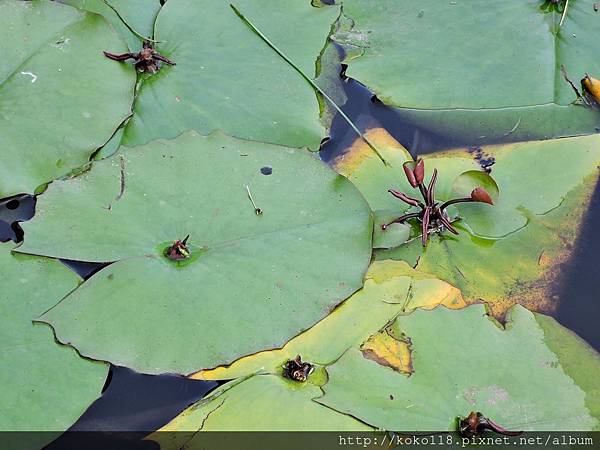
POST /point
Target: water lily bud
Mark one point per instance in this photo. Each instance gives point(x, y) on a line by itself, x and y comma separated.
point(479, 194)
point(414, 171)
point(592, 86)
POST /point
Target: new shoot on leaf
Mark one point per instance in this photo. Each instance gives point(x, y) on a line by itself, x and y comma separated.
point(179, 250)
point(146, 60)
point(432, 215)
point(296, 370)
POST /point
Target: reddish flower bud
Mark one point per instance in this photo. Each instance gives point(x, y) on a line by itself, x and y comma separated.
point(479, 194)
point(414, 171)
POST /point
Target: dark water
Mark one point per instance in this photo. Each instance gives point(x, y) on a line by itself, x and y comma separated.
point(13, 210)
point(132, 405)
point(579, 289)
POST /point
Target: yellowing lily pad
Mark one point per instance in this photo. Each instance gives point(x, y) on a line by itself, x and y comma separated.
point(507, 253)
point(523, 267)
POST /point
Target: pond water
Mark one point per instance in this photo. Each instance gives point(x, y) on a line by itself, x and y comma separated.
point(138, 403)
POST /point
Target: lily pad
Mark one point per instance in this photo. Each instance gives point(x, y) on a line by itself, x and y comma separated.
point(268, 101)
point(36, 371)
point(477, 69)
point(51, 120)
point(471, 364)
point(537, 215)
point(252, 281)
point(391, 288)
point(277, 404)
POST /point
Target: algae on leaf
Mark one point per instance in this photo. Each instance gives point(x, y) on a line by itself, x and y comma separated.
point(61, 99)
point(44, 386)
point(252, 281)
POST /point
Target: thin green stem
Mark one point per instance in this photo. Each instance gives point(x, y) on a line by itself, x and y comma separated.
point(307, 78)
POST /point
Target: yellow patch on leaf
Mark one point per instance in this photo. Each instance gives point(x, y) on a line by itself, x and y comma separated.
point(387, 350)
point(592, 87)
point(355, 156)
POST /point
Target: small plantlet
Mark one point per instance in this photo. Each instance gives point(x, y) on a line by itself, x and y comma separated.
point(179, 250)
point(475, 424)
point(433, 216)
point(296, 370)
point(147, 60)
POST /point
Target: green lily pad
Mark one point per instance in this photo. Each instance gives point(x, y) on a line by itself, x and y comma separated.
point(37, 373)
point(391, 288)
point(241, 86)
point(131, 18)
point(253, 281)
point(51, 120)
point(471, 364)
point(477, 69)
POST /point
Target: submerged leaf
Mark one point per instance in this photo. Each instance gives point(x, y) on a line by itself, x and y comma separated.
point(250, 282)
